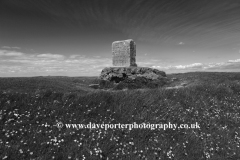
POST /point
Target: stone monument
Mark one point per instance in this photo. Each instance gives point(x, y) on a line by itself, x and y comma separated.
point(124, 53)
point(125, 67)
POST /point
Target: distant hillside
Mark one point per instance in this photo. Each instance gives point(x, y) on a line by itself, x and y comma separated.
point(56, 83)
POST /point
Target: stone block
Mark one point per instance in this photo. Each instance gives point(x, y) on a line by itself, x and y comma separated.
point(124, 53)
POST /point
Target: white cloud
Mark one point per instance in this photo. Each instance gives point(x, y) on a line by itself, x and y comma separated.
point(214, 65)
point(236, 60)
point(7, 47)
point(181, 43)
point(182, 67)
point(47, 63)
point(194, 65)
point(10, 53)
point(49, 55)
point(231, 65)
point(76, 56)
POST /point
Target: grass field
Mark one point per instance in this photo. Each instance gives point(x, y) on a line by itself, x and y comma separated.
point(30, 108)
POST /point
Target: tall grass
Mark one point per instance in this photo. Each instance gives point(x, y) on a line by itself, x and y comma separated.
point(28, 119)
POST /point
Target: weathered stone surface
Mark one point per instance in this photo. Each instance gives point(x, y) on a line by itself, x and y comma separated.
point(124, 53)
point(118, 74)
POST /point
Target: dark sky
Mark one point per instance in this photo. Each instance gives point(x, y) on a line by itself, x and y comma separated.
point(74, 37)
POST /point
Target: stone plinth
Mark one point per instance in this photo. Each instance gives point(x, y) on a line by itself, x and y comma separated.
point(124, 53)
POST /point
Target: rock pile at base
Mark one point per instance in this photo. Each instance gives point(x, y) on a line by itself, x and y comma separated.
point(118, 74)
point(133, 77)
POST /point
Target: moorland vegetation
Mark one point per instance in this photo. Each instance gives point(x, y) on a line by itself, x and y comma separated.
point(31, 107)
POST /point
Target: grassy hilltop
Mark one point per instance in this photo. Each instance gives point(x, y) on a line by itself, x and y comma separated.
point(31, 107)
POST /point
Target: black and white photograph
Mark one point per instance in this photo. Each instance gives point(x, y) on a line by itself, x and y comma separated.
point(120, 79)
